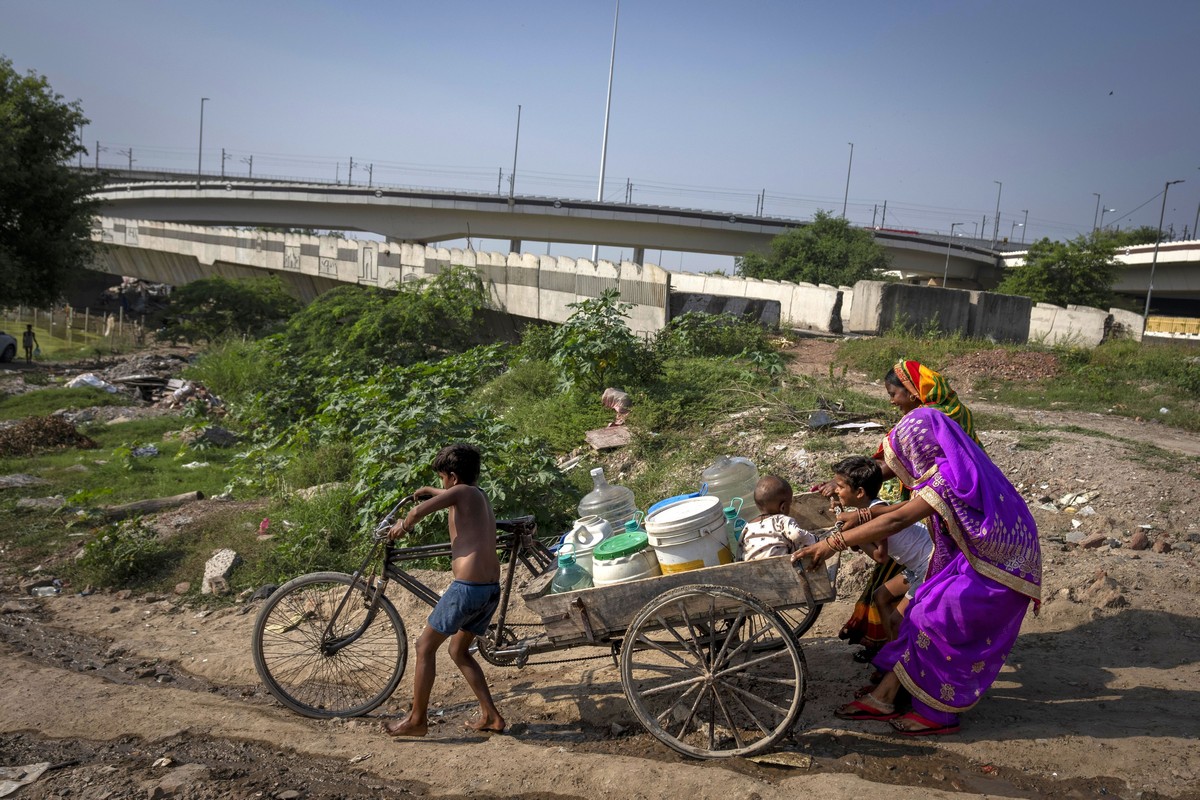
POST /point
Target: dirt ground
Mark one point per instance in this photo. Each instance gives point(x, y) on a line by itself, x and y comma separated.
point(150, 697)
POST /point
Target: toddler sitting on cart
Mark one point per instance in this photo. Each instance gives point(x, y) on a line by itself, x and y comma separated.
point(773, 532)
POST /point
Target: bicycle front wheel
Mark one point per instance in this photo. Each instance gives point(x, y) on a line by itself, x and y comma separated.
point(322, 670)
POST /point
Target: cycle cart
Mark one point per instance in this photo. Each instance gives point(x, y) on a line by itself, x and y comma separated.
point(709, 659)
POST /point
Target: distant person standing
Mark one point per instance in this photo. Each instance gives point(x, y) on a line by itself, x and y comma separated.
point(29, 340)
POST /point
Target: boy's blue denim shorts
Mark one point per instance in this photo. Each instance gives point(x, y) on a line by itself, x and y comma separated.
point(465, 606)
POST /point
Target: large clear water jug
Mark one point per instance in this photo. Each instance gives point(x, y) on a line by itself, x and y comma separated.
point(569, 576)
point(731, 477)
point(614, 503)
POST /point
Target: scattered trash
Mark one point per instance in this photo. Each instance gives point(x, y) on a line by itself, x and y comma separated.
point(90, 379)
point(784, 759)
point(820, 419)
point(263, 526)
point(1075, 523)
point(359, 758)
point(1164, 410)
point(195, 465)
point(144, 451)
point(163, 762)
point(13, 778)
point(857, 426)
point(44, 591)
point(988, 769)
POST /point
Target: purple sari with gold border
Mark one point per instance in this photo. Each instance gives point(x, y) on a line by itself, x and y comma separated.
point(986, 567)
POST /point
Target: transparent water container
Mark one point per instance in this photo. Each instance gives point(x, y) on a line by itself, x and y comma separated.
point(569, 576)
point(609, 501)
point(731, 477)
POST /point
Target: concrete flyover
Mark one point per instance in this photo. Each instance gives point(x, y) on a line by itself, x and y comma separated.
point(429, 217)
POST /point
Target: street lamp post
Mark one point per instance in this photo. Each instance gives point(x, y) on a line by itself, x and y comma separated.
point(996, 227)
point(200, 149)
point(612, 62)
point(946, 271)
point(1012, 231)
point(1097, 211)
point(1104, 211)
point(846, 197)
point(1154, 261)
point(1024, 224)
point(512, 178)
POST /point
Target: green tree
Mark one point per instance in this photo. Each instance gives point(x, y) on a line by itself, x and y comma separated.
point(827, 250)
point(1146, 234)
point(1081, 271)
point(45, 206)
point(214, 307)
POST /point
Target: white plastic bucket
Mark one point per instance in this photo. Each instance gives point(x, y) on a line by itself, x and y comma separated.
point(588, 532)
point(689, 535)
point(642, 564)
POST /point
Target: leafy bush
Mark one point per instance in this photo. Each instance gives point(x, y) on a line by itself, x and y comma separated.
point(595, 349)
point(211, 308)
point(365, 327)
point(122, 556)
point(323, 533)
point(695, 334)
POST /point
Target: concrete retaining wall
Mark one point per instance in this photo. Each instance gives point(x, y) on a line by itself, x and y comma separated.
point(803, 306)
point(999, 317)
point(879, 306)
point(1073, 326)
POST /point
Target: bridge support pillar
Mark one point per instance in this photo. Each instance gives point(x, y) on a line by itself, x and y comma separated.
point(639, 255)
point(514, 245)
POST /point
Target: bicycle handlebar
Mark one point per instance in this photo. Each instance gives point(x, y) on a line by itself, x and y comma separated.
point(389, 519)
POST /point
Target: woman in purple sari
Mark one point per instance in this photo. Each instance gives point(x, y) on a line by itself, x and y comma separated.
point(986, 567)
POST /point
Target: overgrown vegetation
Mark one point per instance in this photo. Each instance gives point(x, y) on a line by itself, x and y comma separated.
point(358, 392)
point(213, 308)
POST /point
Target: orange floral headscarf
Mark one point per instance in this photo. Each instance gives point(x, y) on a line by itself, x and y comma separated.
point(932, 389)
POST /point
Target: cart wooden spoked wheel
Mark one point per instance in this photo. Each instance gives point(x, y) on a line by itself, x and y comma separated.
point(696, 675)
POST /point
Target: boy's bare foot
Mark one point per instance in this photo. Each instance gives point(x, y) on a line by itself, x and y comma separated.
point(486, 725)
point(405, 727)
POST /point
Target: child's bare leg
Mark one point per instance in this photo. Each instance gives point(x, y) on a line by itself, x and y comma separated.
point(424, 670)
point(885, 599)
point(489, 715)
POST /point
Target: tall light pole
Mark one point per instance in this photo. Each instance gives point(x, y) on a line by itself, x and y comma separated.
point(1025, 224)
point(1154, 261)
point(612, 62)
point(996, 227)
point(946, 271)
point(512, 178)
point(846, 197)
point(1097, 211)
point(1012, 231)
point(200, 149)
point(1104, 211)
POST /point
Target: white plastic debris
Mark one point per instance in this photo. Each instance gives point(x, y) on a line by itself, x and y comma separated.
point(90, 379)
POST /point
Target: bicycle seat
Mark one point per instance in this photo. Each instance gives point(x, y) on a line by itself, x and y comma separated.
point(515, 525)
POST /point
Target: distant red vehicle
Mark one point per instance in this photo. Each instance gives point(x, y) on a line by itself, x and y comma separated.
point(897, 230)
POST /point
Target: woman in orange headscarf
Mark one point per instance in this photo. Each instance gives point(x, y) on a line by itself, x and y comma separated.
point(910, 385)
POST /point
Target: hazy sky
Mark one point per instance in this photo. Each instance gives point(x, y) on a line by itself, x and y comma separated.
point(712, 102)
